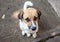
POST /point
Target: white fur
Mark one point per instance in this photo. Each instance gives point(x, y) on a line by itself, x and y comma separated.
point(34, 35)
point(33, 24)
point(26, 4)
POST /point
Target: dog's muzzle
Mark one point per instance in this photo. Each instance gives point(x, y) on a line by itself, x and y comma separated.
point(32, 27)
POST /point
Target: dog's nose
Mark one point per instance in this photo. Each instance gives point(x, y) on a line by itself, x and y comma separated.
point(34, 28)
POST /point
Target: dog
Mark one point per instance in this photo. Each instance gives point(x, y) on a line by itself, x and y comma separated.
point(28, 19)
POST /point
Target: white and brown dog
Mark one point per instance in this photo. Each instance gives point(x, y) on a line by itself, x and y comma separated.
point(28, 19)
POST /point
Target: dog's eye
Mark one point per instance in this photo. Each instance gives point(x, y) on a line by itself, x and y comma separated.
point(35, 18)
point(27, 19)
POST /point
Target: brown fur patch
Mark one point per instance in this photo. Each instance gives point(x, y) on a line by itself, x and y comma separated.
point(30, 13)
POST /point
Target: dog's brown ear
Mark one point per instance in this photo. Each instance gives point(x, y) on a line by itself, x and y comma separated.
point(39, 13)
point(20, 15)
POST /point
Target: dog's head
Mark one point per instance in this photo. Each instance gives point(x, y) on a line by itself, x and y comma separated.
point(30, 17)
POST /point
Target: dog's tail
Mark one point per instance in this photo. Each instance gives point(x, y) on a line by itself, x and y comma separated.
point(26, 4)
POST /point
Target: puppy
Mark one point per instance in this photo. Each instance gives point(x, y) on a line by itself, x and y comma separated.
point(28, 19)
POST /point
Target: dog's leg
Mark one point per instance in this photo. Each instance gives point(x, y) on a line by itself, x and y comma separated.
point(34, 35)
point(28, 34)
point(23, 33)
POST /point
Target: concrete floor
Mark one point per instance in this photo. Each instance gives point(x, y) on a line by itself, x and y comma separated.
point(56, 5)
point(9, 28)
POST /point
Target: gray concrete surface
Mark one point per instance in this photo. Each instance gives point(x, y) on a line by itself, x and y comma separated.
point(9, 28)
point(56, 5)
point(55, 39)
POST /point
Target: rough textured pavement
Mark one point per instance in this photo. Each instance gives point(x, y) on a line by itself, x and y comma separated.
point(55, 39)
point(9, 28)
point(56, 5)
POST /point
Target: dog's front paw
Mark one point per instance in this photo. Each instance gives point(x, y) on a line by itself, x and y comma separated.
point(23, 33)
point(28, 35)
point(34, 35)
